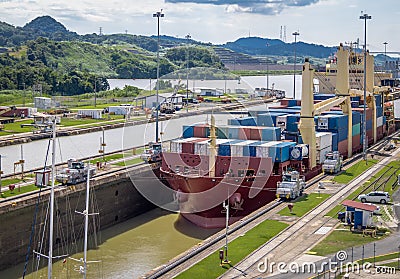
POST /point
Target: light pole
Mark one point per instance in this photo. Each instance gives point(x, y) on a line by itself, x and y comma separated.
point(158, 15)
point(365, 17)
point(187, 73)
point(95, 90)
point(267, 69)
point(295, 34)
point(385, 43)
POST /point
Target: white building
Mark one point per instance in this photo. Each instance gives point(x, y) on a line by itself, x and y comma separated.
point(120, 110)
point(92, 113)
point(211, 92)
point(43, 103)
point(151, 101)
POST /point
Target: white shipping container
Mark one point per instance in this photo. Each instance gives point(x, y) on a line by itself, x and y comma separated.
point(262, 150)
point(379, 121)
point(281, 121)
point(321, 154)
point(323, 140)
point(237, 148)
point(202, 148)
point(93, 113)
point(323, 122)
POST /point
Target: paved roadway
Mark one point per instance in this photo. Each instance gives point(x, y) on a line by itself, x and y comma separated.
point(290, 246)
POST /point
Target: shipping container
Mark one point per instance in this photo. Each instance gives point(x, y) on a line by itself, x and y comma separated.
point(281, 151)
point(270, 133)
point(188, 131)
point(356, 143)
point(379, 111)
point(335, 142)
point(292, 122)
point(378, 100)
point(342, 133)
point(262, 150)
point(356, 129)
point(379, 121)
point(323, 96)
point(281, 121)
point(224, 149)
point(288, 102)
point(323, 140)
point(299, 151)
point(251, 149)
point(321, 154)
point(343, 147)
point(268, 119)
point(237, 149)
point(245, 121)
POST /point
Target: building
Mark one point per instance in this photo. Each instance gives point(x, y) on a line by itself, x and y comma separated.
point(175, 99)
point(360, 214)
point(43, 103)
point(91, 113)
point(211, 92)
point(121, 109)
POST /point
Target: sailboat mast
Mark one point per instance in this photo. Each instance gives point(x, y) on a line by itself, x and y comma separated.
point(53, 176)
point(86, 221)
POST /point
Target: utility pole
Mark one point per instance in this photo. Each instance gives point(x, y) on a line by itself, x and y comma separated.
point(158, 15)
point(385, 43)
point(295, 34)
point(187, 73)
point(365, 17)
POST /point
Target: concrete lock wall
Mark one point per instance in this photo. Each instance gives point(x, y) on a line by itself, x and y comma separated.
point(117, 201)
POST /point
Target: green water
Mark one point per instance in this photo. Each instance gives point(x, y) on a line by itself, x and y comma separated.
point(129, 249)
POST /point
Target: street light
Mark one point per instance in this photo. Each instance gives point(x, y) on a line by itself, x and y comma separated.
point(365, 17)
point(267, 44)
point(187, 73)
point(295, 34)
point(385, 43)
point(158, 15)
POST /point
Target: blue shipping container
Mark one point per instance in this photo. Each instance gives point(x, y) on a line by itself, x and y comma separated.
point(188, 131)
point(251, 149)
point(379, 111)
point(270, 133)
point(337, 122)
point(224, 149)
point(292, 122)
point(335, 142)
point(342, 134)
point(268, 119)
point(281, 151)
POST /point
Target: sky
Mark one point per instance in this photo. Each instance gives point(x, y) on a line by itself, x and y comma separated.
point(325, 22)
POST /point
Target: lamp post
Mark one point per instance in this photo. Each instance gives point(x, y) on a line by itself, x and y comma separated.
point(295, 34)
point(385, 43)
point(158, 15)
point(266, 61)
point(365, 17)
point(187, 72)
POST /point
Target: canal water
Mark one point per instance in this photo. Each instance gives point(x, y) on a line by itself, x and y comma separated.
point(129, 249)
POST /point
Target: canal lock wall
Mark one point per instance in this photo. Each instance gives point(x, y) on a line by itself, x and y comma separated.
point(116, 197)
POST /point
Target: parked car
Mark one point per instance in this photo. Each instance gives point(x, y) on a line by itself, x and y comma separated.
point(375, 196)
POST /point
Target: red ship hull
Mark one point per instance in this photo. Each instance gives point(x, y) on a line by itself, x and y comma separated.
point(201, 197)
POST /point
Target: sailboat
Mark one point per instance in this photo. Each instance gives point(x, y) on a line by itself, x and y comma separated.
point(83, 268)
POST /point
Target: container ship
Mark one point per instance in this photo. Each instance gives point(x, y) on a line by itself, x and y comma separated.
point(240, 164)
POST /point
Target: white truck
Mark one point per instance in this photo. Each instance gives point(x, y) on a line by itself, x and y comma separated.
point(76, 172)
point(291, 186)
point(333, 162)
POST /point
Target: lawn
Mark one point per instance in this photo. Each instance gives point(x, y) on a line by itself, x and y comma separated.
point(129, 162)
point(354, 171)
point(15, 128)
point(237, 249)
point(341, 240)
point(304, 204)
point(18, 191)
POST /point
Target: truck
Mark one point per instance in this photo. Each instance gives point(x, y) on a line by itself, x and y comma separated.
point(152, 154)
point(167, 108)
point(291, 186)
point(333, 162)
point(75, 172)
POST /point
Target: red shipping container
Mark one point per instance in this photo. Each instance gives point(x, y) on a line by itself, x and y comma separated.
point(199, 131)
point(379, 132)
point(370, 137)
point(277, 107)
point(342, 147)
point(356, 144)
point(244, 133)
point(298, 103)
point(255, 133)
point(188, 147)
point(336, 108)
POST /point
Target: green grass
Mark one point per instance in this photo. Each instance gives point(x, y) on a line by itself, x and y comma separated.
point(382, 258)
point(15, 128)
point(21, 190)
point(354, 171)
point(341, 240)
point(6, 182)
point(129, 162)
point(304, 204)
point(237, 249)
point(334, 211)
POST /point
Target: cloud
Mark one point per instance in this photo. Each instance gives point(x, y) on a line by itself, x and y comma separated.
point(266, 7)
